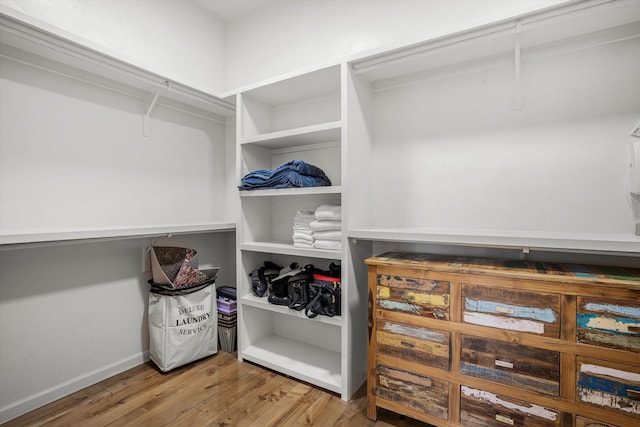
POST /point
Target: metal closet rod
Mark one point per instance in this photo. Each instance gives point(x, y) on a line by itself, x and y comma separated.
point(113, 89)
point(508, 26)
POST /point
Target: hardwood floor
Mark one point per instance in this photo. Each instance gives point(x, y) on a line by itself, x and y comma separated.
point(216, 391)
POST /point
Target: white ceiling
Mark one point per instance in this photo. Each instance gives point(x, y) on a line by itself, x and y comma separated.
point(229, 10)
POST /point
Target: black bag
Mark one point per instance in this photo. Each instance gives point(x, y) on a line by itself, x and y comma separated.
point(325, 297)
point(279, 285)
point(261, 278)
point(279, 292)
point(299, 288)
point(335, 270)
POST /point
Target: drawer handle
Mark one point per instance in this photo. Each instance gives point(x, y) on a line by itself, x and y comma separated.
point(633, 329)
point(505, 310)
point(407, 344)
point(505, 420)
point(633, 394)
point(504, 364)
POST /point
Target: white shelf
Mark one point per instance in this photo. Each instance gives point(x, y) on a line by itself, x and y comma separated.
point(70, 235)
point(299, 117)
point(263, 303)
point(306, 135)
point(308, 85)
point(306, 362)
point(37, 44)
point(610, 243)
point(304, 191)
point(544, 28)
point(285, 248)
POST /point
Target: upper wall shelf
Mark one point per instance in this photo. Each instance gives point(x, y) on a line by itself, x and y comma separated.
point(552, 28)
point(34, 45)
point(605, 243)
point(41, 238)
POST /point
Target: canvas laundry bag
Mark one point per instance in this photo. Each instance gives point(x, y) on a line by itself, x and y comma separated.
point(182, 324)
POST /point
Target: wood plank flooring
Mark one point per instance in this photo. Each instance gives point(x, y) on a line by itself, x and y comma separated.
point(217, 391)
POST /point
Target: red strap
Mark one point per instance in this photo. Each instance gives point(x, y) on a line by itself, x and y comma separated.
point(326, 278)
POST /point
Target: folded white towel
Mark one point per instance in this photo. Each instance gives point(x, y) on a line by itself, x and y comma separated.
point(304, 217)
point(328, 235)
point(302, 237)
point(328, 213)
point(327, 244)
point(325, 226)
point(302, 245)
point(302, 230)
point(303, 213)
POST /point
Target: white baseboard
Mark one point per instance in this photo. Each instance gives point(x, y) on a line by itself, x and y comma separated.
point(37, 400)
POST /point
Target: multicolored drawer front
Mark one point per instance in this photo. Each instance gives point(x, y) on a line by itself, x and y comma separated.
point(413, 343)
point(527, 368)
point(420, 297)
point(587, 422)
point(423, 394)
point(479, 408)
point(523, 311)
point(609, 323)
point(609, 385)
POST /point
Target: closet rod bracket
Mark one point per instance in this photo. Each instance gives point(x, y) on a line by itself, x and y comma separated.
point(146, 117)
point(517, 63)
point(147, 106)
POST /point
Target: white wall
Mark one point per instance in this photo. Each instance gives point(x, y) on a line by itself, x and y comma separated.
point(176, 39)
point(73, 155)
point(183, 41)
point(73, 315)
point(452, 152)
point(296, 35)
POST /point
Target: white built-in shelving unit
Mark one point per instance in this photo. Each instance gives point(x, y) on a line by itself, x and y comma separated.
point(300, 117)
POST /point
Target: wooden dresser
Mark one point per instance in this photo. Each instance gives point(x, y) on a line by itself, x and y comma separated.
point(486, 342)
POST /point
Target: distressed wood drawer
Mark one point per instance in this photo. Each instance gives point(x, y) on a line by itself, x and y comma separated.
point(608, 323)
point(524, 367)
point(413, 343)
point(423, 394)
point(587, 422)
point(479, 408)
point(609, 385)
point(516, 310)
point(417, 296)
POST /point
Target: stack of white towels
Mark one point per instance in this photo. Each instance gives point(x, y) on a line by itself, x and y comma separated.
point(327, 227)
point(302, 233)
point(321, 229)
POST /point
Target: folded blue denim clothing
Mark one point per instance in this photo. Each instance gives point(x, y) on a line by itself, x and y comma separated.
point(295, 173)
point(283, 180)
point(301, 167)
